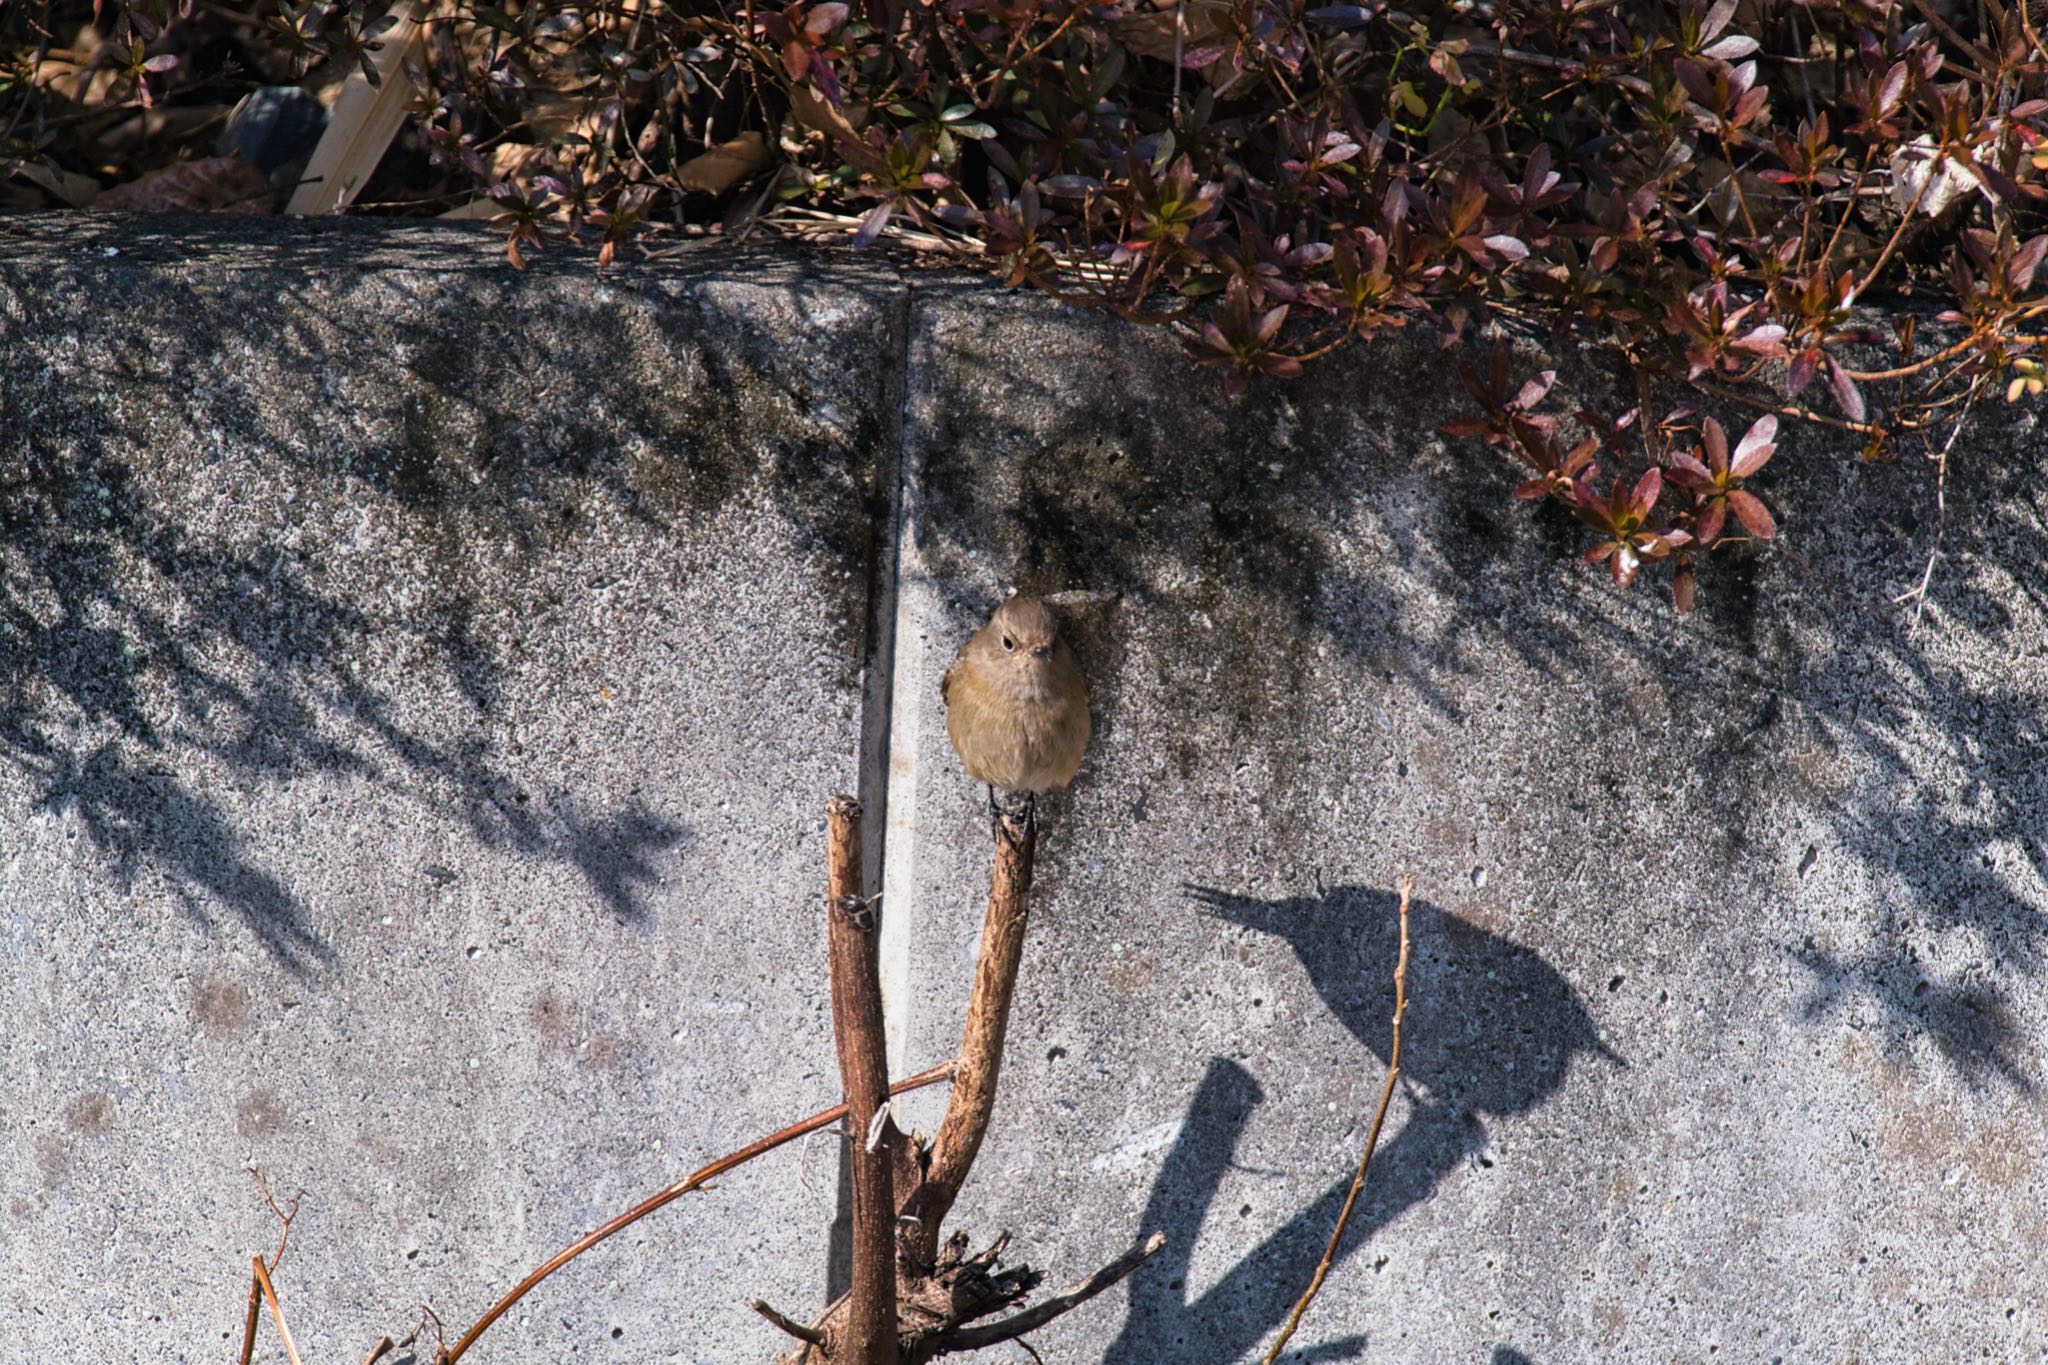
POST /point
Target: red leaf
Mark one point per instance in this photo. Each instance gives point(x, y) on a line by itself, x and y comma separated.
point(1755, 448)
point(1717, 444)
point(1647, 490)
point(1712, 517)
point(1890, 88)
point(1804, 366)
point(1269, 324)
point(1695, 79)
point(1687, 470)
point(1764, 340)
point(1531, 393)
point(1847, 396)
point(872, 225)
point(1732, 48)
point(1753, 515)
point(1624, 565)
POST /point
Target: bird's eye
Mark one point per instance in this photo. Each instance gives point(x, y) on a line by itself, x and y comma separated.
point(1008, 643)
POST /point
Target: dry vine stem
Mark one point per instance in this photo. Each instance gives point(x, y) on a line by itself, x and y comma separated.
point(1372, 1139)
point(259, 1280)
point(912, 1297)
point(939, 1291)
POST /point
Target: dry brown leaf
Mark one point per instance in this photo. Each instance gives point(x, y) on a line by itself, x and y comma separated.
point(514, 161)
point(218, 184)
point(1152, 35)
point(75, 191)
point(554, 115)
point(842, 126)
point(476, 210)
point(726, 165)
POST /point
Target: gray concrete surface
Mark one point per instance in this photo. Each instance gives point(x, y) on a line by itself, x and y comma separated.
point(423, 680)
point(1727, 977)
point(422, 686)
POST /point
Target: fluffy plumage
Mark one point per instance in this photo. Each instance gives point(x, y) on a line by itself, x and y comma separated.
point(1016, 703)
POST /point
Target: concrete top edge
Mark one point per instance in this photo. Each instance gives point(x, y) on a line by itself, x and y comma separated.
point(252, 242)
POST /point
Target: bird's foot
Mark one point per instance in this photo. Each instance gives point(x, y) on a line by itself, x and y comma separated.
point(1009, 806)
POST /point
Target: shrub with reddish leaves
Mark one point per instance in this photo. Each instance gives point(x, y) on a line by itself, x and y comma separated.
point(1713, 190)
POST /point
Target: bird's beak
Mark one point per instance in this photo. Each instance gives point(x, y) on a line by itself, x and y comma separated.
point(1042, 652)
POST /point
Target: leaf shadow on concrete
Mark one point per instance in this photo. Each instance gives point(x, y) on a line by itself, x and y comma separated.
point(1492, 1031)
point(1799, 704)
point(163, 671)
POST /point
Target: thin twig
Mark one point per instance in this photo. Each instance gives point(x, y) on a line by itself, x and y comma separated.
point(284, 1216)
point(1918, 595)
point(1372, 1139)
point(697, 1181)
point(809, 1335)
point(259, 1282)
point(1180, 35)
point(1039, 1314)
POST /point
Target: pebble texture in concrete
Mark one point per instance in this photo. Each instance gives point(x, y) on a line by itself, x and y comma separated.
point(409, 662)
point(1728, 932)
point(422, 683)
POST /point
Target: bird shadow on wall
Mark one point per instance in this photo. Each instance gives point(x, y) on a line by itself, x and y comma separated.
point(1492, 1032)
point(163, 678)
point(1329, 518)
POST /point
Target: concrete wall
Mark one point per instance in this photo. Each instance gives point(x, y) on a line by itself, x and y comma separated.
point(422, 686)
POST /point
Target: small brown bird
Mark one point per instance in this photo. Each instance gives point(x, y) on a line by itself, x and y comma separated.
point(1016, 703)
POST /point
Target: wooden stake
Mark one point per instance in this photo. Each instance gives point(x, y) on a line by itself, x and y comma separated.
point(980, 1062)
point(866, 1335)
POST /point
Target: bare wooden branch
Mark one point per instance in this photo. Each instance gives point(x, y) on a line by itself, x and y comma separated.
point(249, 1324)
point(981, 1044)
point(866, 1334)
point(1372, 1139)
point(697, 1180)
point(259, 1281)
point(262, 1277)
point(809, 1335)
point(1039, 1314)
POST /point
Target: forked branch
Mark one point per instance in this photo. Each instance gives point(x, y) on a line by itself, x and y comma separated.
point(981, 1044)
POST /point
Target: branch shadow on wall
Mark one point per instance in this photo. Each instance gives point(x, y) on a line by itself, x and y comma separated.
point(159, 677)
point(1493, 1032)
point(1328, 518)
